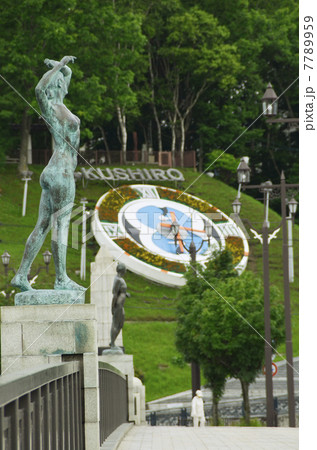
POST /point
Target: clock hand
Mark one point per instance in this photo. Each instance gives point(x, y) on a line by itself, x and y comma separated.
point(164, 210)
point(162, 224)
point(178, 236)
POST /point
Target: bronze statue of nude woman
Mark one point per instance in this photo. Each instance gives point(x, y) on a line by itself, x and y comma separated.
point(57, 179)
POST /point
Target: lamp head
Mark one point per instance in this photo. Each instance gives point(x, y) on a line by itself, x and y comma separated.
point(236, 206)
point(243, 172)
point(5, 258)
point(269, 102)
point(292, 204)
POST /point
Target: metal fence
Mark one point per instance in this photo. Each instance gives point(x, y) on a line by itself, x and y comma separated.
point(113, 388)
point(42, 409)
point(230, 412)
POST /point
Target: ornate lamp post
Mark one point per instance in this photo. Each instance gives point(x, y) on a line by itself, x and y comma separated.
point(266, 188)
point(269, 102)
point(270, 107)
point(47, 255)
point(83, 201)
point(243, 173)
point(265, 238)
point(26, 177)
point(6, 261)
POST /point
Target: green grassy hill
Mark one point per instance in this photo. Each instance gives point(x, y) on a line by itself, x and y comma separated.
point(150, 312)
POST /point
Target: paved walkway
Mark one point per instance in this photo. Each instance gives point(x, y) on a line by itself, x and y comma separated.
point(179, 438)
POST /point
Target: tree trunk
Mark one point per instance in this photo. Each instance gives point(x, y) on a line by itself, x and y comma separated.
point(25, 131)
point(246, 401)
point(173, 128)
point(104, 137)
point(157, 121)
point(123, 130)
point(201, 153)
point(182, 146)
point(215, 412)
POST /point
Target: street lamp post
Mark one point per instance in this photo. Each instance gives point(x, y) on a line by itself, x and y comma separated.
point(270, 108)
point(83, 201)
point(265, 239)
point(287, 306)
point(26, 177)
point(267, 309)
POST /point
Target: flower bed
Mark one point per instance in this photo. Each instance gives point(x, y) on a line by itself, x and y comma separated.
point(195, 203)
point(114, 201)
point(155, 260)
point(235, 246)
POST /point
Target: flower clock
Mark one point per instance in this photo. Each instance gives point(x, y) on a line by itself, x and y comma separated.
point(151, 228)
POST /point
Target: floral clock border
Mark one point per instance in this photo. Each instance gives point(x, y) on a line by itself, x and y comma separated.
point(109, 232)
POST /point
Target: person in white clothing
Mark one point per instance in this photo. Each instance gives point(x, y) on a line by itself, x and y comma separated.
point(197, 413)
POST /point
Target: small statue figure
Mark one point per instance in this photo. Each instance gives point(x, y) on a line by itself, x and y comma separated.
point(119, 291)
point(198, 409)
point(57, 179)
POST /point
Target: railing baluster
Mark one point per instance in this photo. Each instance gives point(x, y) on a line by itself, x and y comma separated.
point(27, 427)
point(81, 409)
point(14, 425)
point(2, 428)
point(76, 416)
point(54, 414)
point(61, 422)
point(71, 411)
point(66, 406)
point(37, 418)
point(46, 421)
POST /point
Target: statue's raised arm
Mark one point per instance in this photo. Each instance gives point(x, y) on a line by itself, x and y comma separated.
point(59, 76)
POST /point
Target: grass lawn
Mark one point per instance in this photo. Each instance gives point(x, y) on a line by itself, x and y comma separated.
point(159, 369)
point(150, 312)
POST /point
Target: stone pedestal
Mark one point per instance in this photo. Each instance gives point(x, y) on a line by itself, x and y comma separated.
point(103, 271)
point(49, 297)
point(35, 335)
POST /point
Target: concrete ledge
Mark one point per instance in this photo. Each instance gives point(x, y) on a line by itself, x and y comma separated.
point(113, 441)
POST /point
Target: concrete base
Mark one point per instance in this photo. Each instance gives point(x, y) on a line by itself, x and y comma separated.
point(113, 351)
point(33, 335)
point(49, 297)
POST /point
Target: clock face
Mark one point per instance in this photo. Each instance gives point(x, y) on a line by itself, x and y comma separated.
point(152, 225)
point(151, 228)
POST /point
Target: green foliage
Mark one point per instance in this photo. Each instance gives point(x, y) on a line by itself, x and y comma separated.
point(221, 325)
point(224, 164)
point(210, 60)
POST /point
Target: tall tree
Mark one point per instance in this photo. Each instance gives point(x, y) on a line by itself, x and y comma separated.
point(223, 322)
point(30, 31)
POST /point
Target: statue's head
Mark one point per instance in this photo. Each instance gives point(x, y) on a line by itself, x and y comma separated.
point(59, 87)
point(121, 269)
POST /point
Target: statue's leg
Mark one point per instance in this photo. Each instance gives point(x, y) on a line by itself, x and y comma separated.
point(62, 203)
point(34, 243)
point(117, 324)
point(113, 334)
